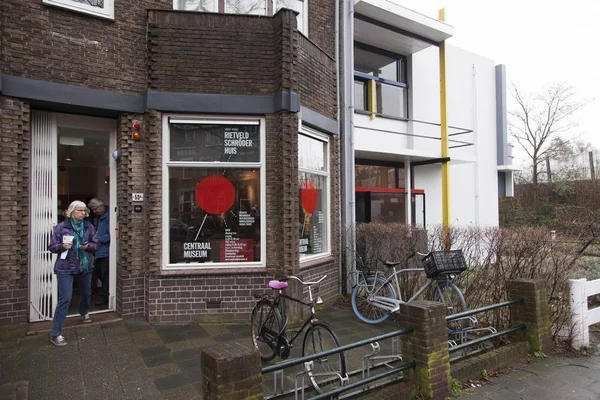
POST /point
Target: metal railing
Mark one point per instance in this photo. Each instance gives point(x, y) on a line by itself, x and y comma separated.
point(491, 336)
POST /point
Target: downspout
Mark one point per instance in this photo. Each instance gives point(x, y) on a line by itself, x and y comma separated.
point(337, 110)
point(476, 144)
point(348, 204)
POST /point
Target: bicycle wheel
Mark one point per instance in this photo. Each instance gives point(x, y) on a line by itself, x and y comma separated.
point(266, 326)
point(363, 307)
point(328, 371)
point(454, 301)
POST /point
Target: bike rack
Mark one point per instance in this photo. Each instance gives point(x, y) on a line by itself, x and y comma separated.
point(307, 361)
point(369, 361)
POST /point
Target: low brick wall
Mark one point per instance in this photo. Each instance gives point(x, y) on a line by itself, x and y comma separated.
point(470, 368)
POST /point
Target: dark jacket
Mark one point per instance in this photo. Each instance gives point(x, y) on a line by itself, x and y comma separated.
point(103, 233)
point(71, 265)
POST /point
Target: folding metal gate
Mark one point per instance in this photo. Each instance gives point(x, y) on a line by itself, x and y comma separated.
point(43, 209)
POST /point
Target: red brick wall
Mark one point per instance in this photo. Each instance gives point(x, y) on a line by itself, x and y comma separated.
point(316, 78)
point(212, 53)
point(60, 45)
point(14, 203)
point(321, 24)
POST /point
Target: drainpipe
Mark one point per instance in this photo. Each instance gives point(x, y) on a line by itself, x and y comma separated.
point(476, 144)
point(347, 138)
point(337, 110)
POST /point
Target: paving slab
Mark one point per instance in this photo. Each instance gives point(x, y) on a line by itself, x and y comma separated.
point(132, 359)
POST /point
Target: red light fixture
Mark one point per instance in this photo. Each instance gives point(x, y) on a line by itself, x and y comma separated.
point(135, 134)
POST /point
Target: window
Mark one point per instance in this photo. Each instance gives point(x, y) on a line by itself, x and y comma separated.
point(99, 8)
point(313, 167)
point(213, 192)
point(388, 71)
point(381, 195)
point(251, 7)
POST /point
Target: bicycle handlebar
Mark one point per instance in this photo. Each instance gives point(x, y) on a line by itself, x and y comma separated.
point(287, 278)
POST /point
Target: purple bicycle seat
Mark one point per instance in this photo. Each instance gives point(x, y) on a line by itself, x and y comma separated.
point(278, 285)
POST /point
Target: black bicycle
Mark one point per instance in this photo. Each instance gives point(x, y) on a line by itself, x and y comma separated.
point(269, 322)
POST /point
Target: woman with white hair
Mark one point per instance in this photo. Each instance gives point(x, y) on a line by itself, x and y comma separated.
point(74, 239)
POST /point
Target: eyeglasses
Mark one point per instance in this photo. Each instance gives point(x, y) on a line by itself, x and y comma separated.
point(80, 210)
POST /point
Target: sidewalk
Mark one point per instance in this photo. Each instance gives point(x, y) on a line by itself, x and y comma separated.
point(131, 359)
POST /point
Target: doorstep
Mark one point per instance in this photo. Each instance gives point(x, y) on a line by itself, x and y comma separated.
point(37, 327)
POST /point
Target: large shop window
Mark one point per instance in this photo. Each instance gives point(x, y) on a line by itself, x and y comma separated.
point(213, 192)
point(313, 167)
point(253, 7)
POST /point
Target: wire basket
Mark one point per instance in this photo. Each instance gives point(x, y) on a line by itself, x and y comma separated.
point(444, 262)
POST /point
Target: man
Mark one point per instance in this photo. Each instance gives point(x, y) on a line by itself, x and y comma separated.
point(101, 265)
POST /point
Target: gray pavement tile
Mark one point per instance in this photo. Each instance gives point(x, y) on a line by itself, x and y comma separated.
point(164, 370)
point(117, 334)
point(146, 339)
point(194, 353)
point(503, 394)
point(205, 342)
point(190, 364)
point(571, 392)
point(102, 387)
point(170, 333)
point(538, 393)
point(179, 346)
point(594, 386)
point(137, 325)
point(154, 351)
point(195, 332)
point(158, 360)
point(141, 391)
point(187, 392)
point(171, 382)
point(543, 382)
point(574, 376)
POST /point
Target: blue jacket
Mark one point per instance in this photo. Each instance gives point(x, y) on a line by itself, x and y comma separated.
point(71, 265)
point(103, 234)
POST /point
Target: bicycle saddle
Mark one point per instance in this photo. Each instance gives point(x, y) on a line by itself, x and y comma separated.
point(278, 285)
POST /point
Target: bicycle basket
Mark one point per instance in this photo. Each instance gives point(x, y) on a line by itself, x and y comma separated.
point(444, 262)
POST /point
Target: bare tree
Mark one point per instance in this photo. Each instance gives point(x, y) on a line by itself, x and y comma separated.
point(537, 120)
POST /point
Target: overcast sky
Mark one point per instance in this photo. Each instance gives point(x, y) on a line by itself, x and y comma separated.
point(539, 41)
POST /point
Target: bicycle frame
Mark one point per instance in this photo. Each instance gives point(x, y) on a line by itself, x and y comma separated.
point(281, 306)
point(393, 305)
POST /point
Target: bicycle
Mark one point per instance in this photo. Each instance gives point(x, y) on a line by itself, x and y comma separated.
point(269, 322)
point(374, 298)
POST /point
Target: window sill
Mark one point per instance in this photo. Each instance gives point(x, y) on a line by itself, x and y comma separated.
point(211, 271)
point(316, 262)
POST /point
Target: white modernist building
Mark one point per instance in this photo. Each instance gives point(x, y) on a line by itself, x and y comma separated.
point(391, 121)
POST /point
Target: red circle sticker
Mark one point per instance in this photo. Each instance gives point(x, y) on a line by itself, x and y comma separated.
point(215, 194)
point(309, 197)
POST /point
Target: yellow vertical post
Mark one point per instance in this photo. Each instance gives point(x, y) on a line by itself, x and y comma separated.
point(444, 141)
point(371, 90)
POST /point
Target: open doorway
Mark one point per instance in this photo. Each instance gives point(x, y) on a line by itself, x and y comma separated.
point(84, 174)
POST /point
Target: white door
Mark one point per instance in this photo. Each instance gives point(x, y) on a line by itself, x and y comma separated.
point(70, 160)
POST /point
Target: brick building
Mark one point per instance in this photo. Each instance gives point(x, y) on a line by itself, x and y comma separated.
point(235, 178)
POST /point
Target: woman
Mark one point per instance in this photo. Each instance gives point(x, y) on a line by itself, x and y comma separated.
point(74, 239)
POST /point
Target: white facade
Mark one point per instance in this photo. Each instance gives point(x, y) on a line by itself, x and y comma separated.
point(414, 142)
point(471, 105)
